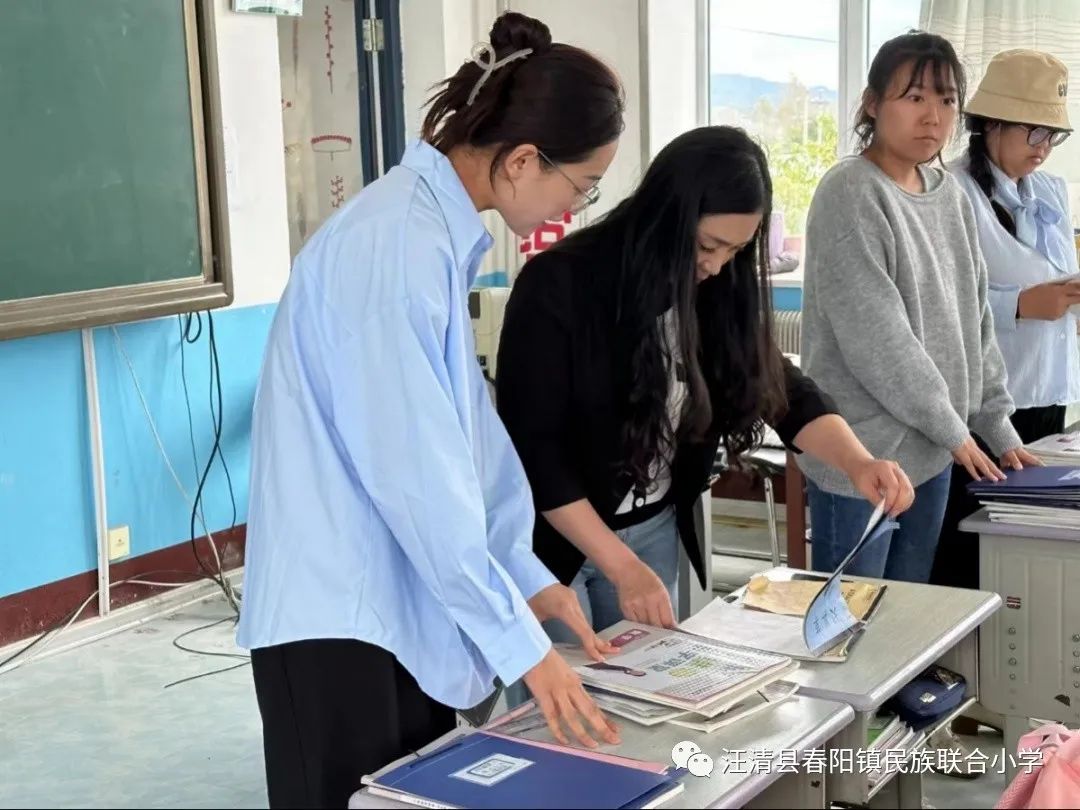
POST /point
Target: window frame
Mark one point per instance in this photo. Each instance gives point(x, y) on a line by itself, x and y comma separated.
point(853, 45)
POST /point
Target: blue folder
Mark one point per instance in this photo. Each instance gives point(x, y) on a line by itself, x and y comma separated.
point(482, 771)
point(1049, 482)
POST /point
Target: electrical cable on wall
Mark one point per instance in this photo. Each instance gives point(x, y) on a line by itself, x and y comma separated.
point(188, 337)
point(218, 575)
point(215, 574)
point(216, 402)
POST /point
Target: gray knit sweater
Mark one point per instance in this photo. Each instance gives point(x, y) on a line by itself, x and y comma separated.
point(896, 324)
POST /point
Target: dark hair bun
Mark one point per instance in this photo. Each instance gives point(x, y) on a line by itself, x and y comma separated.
point(513, 32)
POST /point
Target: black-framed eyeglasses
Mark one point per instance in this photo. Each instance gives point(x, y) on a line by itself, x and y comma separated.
point(585, 197)
point(1038, 135)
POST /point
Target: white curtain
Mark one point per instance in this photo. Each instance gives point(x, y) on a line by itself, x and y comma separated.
point(981, 28)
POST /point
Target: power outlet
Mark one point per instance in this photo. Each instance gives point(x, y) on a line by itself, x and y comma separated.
point(119, 543)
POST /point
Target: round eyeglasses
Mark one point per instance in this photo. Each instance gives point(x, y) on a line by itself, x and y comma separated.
point(1039, 135)
point(585, 197)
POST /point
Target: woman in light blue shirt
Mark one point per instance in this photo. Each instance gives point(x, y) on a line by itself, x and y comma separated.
point(389, 573)
point(1015, 119)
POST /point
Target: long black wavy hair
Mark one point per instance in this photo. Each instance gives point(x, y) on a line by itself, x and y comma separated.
point(732, 366)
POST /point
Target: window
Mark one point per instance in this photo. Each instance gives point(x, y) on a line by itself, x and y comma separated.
point(888, 19)
point(773, 70)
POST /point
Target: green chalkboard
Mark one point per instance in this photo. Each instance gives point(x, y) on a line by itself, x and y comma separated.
point(102, 165)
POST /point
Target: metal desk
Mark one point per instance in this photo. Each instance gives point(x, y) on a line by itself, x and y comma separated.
point(913, 627)
point(800, 725)
point(1029, 657)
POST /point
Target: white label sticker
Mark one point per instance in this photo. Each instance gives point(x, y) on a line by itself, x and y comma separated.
point(492, 770)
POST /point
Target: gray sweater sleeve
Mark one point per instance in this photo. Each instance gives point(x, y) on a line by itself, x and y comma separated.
point(992, 421)
point(860, 301)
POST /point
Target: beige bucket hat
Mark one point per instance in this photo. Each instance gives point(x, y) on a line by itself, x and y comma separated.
point(1024, 87)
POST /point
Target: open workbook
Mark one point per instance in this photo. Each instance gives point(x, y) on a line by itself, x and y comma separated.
point(676, 669)
point(829, 620)
point(816, 621)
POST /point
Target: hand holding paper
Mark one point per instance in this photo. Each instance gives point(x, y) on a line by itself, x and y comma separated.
point(876, 479)
point(828, 619)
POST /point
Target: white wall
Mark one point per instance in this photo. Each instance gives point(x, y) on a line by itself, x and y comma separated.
point(467, 22)
point(674, 80)
point(423, 47)
point(250, 84)
point(437, 36)
point(448, 30)
point(610, 30)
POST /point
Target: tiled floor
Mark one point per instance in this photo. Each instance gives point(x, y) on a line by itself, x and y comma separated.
point(96, 727)
point(949, 792)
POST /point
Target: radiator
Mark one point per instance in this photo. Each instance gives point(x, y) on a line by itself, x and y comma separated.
point(787, 325)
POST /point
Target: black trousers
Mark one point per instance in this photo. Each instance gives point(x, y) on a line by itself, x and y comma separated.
point(334, 711)
point(956, 563)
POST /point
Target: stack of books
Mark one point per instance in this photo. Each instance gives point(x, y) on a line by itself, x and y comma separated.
point(888, 733)
point(1046, 497)
point(670, 676)
point(1061, 449)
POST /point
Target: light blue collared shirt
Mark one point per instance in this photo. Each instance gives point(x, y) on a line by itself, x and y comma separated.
point(387, 502)
point(1042, 357)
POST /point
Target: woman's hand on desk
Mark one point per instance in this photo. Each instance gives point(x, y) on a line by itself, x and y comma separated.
point(876, 479)
point(976, 462)
point(560, 602)
point(1018, 459)
point(642, 595)
point(558, 692)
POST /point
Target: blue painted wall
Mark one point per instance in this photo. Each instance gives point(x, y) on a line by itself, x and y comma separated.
point(46, 518)
point(46, 493)
point(787, 298)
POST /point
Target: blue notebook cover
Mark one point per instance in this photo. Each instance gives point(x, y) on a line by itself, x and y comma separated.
point(482, 771)
point(1032, 480)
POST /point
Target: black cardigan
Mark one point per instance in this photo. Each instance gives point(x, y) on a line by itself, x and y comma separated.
point(558, 387)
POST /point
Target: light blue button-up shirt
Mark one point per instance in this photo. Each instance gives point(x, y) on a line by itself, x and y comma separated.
point(387, 502)
point(1042, 357)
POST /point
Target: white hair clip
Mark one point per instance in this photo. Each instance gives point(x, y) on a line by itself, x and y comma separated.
point(484, 57)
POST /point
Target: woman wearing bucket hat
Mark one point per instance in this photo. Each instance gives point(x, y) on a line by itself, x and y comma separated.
point(1015, 119)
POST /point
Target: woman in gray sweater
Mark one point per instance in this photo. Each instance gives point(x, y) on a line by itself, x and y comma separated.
point(896, 323)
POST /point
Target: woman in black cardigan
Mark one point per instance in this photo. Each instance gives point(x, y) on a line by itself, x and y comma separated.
point(630, 350)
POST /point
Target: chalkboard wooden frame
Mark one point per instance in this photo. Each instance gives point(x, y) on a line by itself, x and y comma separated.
point(62, 312)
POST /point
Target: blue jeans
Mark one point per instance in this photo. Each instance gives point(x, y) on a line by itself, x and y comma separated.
point(906, 554)
point(656, 543)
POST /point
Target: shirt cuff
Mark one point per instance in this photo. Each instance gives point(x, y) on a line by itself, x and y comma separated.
point(953, 431)
point(1002, 437)
point(1005, 303)
point(517, 649)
